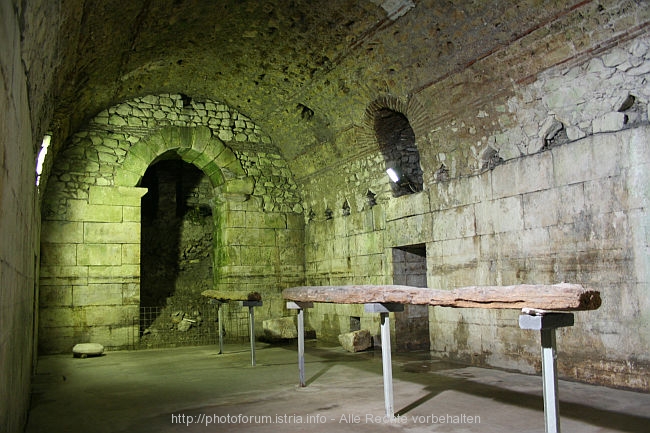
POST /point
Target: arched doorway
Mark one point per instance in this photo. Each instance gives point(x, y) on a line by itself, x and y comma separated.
point(176, 255)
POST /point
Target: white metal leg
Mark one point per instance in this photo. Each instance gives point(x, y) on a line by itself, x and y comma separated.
point(386, 362)
point(220, 319)
point(547, 323)
point(251, 319)
point(301, 306)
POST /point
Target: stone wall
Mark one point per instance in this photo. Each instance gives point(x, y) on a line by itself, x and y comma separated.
point(90, 271)
point(19, 214)
point(546, 182)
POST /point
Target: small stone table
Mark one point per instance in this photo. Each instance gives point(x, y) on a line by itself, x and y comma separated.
point(248, 299)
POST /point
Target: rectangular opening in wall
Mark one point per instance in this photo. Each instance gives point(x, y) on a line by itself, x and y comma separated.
point(355, 323)
point(412, 325)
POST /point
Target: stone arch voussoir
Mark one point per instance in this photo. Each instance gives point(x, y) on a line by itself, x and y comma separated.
point(195, 145)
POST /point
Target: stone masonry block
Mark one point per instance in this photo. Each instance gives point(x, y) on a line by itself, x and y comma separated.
point(130, 294)
point(408, 231)
point(127, 178)
point(201, 138)
point(62, 232)
point(130, 254)
point(58, 254)
point(536, 242)
point(614, 121)
point(571, 202)
point(53, 296)
point(249, 237)
point(80, 210)
point(189, 155)
point(541, 208)
point(113, 336)
point(532, 173)
point(143, 152)
point(213, 171)
point(99, 254)
point(593, 157)
point(54, 317)
point(460, 251)
point(97, 294)
point(407, 205)
point(123, 273)
point(356, 341)
point(454, 223)
point(131, 164)
point(116, 195)
point(240, 186)
point(461, 191)
point(496, 216)
point(367, 243)
point(131, 213)
point(127, 232)
point(95, 315)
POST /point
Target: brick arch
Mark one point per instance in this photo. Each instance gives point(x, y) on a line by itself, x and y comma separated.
point(195, 145)
point(411, 108)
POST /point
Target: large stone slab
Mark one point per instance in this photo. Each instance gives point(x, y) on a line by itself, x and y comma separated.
point(356, 341)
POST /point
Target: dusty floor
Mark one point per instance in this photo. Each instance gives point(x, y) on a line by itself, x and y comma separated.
point(198, 390)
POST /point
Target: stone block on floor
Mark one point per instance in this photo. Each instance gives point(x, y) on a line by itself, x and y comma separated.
point(356, 341)
point(84, 350)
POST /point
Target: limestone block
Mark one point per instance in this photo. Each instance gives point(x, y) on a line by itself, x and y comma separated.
point(131, 213)
point(58, 254)
point(127, 232)
point(541, 208)
point(574, 133)
point(99, 254)
point(83, 350)
point(123, 273)
point(50, 296)
point(116, 120)
point(614, 121)
point(407, 205)
point(97, 294)
point(130, 254)
point(356, 341)
point(280, 329)
point(497, 216)
point(240, 186)
point(533, 173)
point(118, 195)
point(62, 232)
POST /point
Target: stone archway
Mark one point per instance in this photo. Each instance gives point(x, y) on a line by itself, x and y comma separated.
point(91, 225)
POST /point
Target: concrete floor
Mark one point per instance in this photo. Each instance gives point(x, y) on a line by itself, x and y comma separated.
point(197, 390)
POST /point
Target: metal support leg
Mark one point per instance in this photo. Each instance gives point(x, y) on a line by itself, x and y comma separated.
point(547, 323)
point(251, 318)
point(301, 347)
point(549, 376)
point(300, 306)
point(386, 362)
point(220, 319)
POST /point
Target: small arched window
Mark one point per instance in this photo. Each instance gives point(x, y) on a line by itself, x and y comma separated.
point(397, 143)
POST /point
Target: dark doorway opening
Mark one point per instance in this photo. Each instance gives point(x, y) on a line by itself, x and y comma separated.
point(412, 325)
point(176, 257)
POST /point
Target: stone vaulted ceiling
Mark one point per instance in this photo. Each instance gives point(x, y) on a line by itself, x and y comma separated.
point(302, 69)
